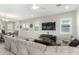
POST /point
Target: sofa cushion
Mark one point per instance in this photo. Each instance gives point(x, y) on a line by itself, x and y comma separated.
point(21, 47)
point(36, 45)
point(7, 43)
point(35, 48)
point(13, 46)
point(73, 50)
point(62, 50)
point(50, 50)
point(34, 51)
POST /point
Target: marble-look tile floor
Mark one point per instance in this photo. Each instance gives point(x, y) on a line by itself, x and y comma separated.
point(3, 51)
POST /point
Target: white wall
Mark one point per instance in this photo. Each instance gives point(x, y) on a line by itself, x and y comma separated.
point(77, 13)
point(33, 34)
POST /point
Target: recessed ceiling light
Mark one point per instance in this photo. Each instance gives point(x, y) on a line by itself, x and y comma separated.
point(35, 7)
point(66, 7)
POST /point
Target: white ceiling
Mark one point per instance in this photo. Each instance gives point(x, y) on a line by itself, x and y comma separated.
point(25, 11)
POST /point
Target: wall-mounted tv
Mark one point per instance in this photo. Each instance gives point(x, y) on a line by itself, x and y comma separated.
point(49, 26)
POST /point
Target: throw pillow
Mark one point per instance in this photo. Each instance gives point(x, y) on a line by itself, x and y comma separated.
point(74, 43)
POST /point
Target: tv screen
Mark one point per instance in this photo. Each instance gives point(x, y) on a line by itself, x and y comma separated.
point(49, 26)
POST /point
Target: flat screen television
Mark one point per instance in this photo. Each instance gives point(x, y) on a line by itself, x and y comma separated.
point(49, 26)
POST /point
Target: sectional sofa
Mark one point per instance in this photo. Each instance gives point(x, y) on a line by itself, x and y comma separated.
point(23, 47)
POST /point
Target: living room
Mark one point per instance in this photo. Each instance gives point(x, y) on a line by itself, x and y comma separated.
point(47, 29)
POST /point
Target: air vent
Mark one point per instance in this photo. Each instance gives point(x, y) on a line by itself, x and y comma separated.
point(58, 5)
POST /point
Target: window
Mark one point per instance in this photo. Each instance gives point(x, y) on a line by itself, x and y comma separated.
point(25, 27)
point(37, 26)
point(10, 27)
point(66, 25)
